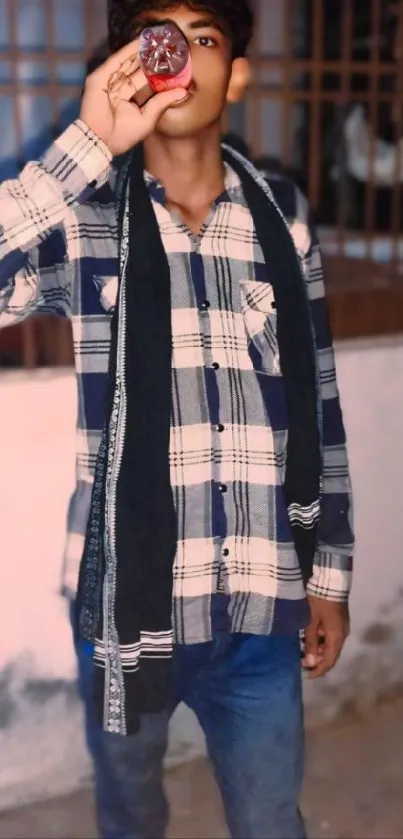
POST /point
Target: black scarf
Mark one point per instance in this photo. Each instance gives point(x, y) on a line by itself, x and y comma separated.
point(125, 590)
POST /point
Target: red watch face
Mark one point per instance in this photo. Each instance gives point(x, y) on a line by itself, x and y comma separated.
point(165, 57)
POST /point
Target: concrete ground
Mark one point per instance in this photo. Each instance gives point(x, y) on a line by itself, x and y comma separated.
point(354, 790)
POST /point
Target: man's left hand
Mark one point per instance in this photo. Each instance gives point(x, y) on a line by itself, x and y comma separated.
point(325, 636)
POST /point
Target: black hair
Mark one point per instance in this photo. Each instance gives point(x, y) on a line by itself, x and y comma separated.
point(236, 15)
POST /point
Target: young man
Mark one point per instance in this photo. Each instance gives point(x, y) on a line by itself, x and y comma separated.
point(212, 510)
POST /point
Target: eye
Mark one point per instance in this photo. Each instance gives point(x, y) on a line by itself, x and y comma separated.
point(204, 41)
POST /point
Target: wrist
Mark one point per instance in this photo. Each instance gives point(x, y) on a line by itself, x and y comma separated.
point(95, 129)
point(332, 576)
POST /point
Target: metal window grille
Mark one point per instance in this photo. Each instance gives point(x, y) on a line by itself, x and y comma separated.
point(325, 106)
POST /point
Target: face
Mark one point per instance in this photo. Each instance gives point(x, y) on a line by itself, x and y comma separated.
point(210, 49)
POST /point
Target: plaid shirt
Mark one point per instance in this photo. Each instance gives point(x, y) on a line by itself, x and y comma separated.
point(59, 255)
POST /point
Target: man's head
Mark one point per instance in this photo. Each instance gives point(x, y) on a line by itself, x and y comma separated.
point(218, 32)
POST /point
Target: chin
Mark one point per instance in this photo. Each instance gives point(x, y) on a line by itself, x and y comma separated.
point(176, 123)
point(189, 118)
point(179, 132)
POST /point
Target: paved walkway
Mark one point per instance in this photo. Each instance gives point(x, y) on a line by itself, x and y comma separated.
point(354, 790)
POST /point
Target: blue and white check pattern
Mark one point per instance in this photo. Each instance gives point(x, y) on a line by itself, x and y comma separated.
point(59, 254)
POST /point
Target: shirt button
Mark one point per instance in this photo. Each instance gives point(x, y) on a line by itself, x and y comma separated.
point(215, 365)
point(223, 488)
point(225, 552)
point(219, 428)
point(206, 305)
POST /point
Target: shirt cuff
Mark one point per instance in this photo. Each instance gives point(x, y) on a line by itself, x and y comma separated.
point(332, 576)
point(79, 160)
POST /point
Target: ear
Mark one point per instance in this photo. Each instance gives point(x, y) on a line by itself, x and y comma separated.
point(240, 78)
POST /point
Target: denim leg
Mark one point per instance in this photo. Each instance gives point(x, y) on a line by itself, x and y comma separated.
point(249, 703)
point(128, 771)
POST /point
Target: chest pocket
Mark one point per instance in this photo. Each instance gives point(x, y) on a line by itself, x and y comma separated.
point(107, 289)
point(260, 319)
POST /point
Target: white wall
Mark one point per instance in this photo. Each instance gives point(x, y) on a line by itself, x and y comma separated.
point(41, 745)
point(371, 384)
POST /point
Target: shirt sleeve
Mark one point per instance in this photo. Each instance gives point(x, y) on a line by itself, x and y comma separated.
point(34, 208)
point(333, 563)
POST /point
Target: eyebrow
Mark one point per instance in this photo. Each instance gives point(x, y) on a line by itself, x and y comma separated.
point(206, 23)
point(201, 23)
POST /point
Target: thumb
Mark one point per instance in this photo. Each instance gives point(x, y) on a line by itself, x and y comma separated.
point(311, 657)
point(159, 103)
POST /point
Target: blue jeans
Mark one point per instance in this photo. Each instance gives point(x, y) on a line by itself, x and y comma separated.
point(246, 692)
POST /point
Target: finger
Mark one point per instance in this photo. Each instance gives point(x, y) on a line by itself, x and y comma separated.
point(130, 65)
point(332, 649)
point(156, 107)
point(123, 71)
point(124, 87)
point(120, 78)
point(311, 656)
point(321, 641)
point(116, 62)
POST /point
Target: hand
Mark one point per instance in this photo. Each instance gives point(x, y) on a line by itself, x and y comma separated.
point(325, 635)
point(108, 107)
